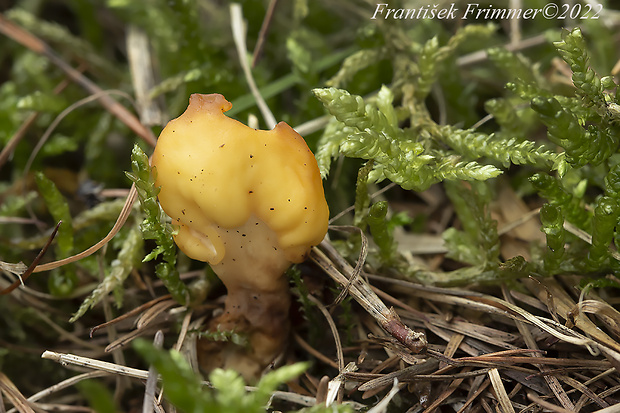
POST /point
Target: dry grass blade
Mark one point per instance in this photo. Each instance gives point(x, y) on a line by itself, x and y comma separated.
point(545, 404)
point(238, 28)
point(334, 385)
point(500, 391)
point(564, 304)
point(131, 199)
point(152, 313)
point(142, 75)
point(602, 310)
point(94, 364)
point(366, 297)
point(63, 385)
point(262, 34)
point(14, 395)
point(131, 313)
point(333, 328)
point(33, 266)
point(358, 266)
point(405, 374)
point(151, 381)
point(382, 406)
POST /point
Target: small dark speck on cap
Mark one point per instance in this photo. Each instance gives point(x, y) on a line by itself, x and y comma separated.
point(271, 209)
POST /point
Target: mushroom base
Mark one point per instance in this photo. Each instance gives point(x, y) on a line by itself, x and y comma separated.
point(263, 317)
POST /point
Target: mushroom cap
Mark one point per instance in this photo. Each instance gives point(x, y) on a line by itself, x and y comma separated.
point(215, 174)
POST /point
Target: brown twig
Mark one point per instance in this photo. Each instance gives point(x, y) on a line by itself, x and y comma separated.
point(262, 34)
point(33, 265)
point(366, 297)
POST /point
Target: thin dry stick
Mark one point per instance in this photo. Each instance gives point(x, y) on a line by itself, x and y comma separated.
point(333, 328)
point(130, 313)
point(314, 352)
point(552, 381)
point(184, 330)
point(363, 294)
point(37, 45)
point(446, 393)
point(151, 381)
point(142, 75)
point(63, 385)
point(14, 395)
point(33, 266)
point(131, 199)
point(262, 34)
point(474, 395)
point(103, 366)
point(547, 405)
point(90, 363)
point(238, 29)
point(500, 391)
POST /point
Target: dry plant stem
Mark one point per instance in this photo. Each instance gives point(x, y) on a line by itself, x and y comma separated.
point(551, 380)
point(151, 381)
point(35, 44)
point(500, 391)
point(545, 404)
point(62, 385)
point(14, 395)
point(333, 329)
point(131, 199)
point(314, 352)
point(360, 261)
point(105, 367)
point(381, 407)
point(481, 56)
point(238, 28)
point(363, 294)
point(130, 313)
point(33, 265)
point(262, 34)
point(142, 75)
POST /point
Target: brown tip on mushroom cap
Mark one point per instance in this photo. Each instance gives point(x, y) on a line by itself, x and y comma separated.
point(212, 102)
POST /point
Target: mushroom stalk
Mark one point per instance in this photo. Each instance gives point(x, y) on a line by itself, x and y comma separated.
point(250, 203)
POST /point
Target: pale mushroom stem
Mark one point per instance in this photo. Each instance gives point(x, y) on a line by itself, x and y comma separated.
point(257, 304)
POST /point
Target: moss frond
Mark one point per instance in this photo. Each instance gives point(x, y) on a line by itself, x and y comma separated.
point(155, 226)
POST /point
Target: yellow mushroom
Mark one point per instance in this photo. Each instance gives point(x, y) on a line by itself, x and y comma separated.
point(248, 202)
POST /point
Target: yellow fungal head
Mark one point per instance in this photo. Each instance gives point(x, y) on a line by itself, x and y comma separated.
point(218, 175)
